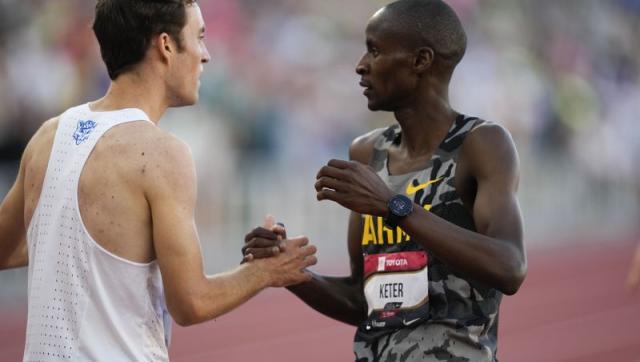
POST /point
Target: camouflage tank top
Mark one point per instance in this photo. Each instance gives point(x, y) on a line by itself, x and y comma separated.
point(409, 289)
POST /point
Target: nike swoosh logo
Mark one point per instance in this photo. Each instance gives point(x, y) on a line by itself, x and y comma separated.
point(413, 189)
point(410, 322)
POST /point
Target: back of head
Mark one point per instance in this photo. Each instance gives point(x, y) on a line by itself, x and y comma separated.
point(125, 29)
point(430, 23)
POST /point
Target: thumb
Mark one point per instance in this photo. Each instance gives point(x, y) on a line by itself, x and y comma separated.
point(269, 222)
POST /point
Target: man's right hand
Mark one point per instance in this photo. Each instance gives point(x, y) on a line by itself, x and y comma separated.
point(264, 242)
point(288, 266)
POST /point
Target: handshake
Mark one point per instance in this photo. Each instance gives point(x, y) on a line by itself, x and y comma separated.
point(283, 261)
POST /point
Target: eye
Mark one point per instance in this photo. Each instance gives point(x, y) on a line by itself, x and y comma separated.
point(374, 51)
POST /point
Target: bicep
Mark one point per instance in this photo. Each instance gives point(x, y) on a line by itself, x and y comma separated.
point(13, 244)
point(497, 213)
point(171, 194)
point(496, 169)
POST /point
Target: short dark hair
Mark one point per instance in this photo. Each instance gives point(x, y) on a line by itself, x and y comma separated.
point(124, 29)
point(430, 23)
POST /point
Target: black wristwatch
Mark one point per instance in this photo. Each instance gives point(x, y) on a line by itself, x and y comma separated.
point(399, 207)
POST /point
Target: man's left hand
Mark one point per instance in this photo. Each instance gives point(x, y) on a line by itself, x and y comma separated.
point(355, 186)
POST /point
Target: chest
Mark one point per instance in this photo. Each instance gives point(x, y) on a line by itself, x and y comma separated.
point(443, 185)
point(432, 179)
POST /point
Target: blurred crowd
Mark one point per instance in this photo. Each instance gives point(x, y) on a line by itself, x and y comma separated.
point(281, 95)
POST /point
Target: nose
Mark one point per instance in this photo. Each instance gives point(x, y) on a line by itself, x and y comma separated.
point(362, 67)
point(206, 57)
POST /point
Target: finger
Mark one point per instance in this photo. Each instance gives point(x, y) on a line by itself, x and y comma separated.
point(310, 261)
point(308, 250)
point(260, 232)
point(257, 244)
point(330, 183)
point(263, 253)
point(261, 243)
point(280, 231)
point(328, 194)
point(341, 164)
point(269, 222)
point(333, 172)
point(299, 241)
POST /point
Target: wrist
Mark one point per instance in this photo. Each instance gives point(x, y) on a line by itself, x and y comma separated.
point(398, 208)
point(384, 204)
point(258, 272)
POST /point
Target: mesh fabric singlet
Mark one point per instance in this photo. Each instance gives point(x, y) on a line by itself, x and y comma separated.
point(86, 304)
point(419, 308)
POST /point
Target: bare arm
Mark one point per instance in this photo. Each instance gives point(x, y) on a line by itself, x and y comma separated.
point(193, 297)
point(495, 254)
point(13, 235)
point(340, 298)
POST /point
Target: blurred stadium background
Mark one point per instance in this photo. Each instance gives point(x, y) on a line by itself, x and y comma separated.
point(281, 97)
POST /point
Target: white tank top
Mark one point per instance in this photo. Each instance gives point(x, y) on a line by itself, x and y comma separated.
point(85, 303)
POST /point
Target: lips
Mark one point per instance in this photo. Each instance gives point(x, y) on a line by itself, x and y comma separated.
point(367, 87)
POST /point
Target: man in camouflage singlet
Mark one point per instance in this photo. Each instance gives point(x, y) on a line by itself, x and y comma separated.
point(435, 234)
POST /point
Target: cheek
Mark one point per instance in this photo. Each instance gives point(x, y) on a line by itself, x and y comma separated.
point(400, 79)
point(390, 73)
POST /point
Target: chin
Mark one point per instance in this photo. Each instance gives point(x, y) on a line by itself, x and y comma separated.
point(372, 105)
point(193, 100)
point(185, 101)
point(376, 106)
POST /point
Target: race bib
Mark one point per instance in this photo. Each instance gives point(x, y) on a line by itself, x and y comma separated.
point(395, 282)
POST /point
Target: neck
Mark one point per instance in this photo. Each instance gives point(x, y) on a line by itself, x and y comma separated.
point(426, 122)
point(131, 90)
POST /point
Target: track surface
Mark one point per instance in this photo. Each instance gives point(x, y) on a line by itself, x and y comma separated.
point(572, 307)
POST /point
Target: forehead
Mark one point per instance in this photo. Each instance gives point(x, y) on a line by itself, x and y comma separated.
point(195, 21)
point(382, 27)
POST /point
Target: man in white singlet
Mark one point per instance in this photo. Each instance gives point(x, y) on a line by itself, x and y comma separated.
point(102, 211)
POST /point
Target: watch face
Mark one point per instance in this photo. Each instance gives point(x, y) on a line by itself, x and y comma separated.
point(400, 205)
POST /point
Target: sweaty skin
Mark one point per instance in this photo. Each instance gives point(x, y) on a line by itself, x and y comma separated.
point(137, 192)
point(413, 84)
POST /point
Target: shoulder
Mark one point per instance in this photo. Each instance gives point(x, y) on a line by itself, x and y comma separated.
point(486, 134)
point(145, 141)
point(489, 148)
point(362, 147)
point(146, 155)
point(42, 140)
point(165, 143)
point(47, 130)
point(168, 161)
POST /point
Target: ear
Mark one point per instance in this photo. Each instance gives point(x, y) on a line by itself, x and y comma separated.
point(423, 59)
point(165, 46)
